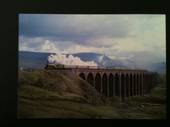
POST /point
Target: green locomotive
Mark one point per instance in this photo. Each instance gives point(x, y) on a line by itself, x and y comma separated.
point(54, 66)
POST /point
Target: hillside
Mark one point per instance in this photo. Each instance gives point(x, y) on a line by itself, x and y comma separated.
point(48, 94)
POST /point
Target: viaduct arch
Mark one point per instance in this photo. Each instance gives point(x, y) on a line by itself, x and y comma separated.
point(98, 82)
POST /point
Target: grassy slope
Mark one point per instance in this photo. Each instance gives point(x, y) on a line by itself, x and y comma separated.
point(50, 95)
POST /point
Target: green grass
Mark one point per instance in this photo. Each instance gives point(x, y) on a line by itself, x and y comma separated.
point(35, 99)
point(50, 95)
point(159, 92)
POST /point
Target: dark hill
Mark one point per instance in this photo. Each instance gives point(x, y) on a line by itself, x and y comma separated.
point(32, 59)
point(40, 90)
point(60, 82)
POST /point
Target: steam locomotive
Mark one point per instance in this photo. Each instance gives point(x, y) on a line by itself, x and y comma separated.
point(61, 66)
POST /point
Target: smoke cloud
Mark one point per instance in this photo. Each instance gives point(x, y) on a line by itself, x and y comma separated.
point(69, 60)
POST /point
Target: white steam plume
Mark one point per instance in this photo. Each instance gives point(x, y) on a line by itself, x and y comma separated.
point(69, 60)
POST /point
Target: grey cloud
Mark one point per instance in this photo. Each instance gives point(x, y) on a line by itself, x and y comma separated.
point(75, 28)
point(34, 43)
point(30, 42)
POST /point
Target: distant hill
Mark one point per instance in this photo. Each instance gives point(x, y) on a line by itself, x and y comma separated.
point(158, 67)
point(32, 59)
point(38, 60)
point(100, 59)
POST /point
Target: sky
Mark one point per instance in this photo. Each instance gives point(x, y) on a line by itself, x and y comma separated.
point(139, 37)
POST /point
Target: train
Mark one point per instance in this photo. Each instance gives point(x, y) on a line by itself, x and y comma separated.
point(62, 67)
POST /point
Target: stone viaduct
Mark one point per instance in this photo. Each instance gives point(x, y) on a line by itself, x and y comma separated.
point(117, 82)
point(114, 82)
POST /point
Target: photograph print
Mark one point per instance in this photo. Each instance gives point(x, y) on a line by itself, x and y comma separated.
point(92, 66)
